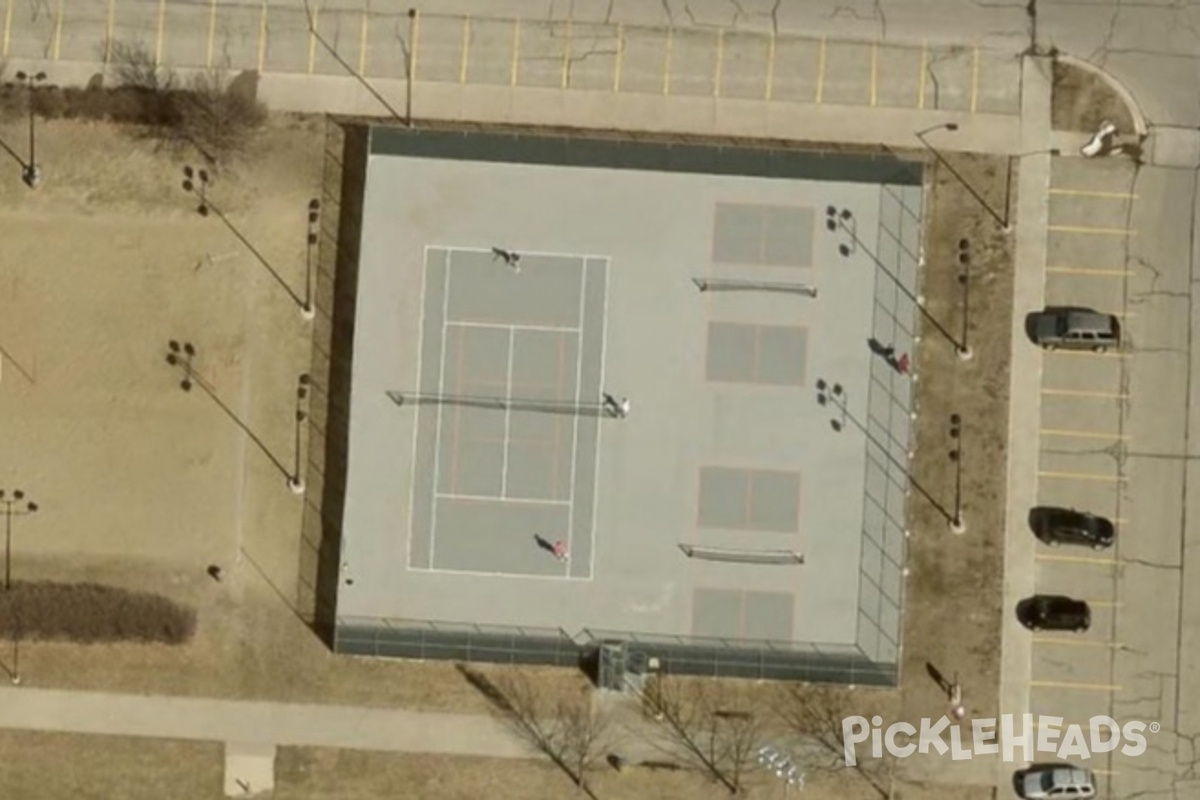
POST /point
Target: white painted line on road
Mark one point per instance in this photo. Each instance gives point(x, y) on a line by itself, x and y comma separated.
point(1111, 273)
point(1082, 434)
point(1105, 562)
point(1085, 393)
point(1083, 476)
point(1077, 642)
point(1098, 231)
point(1093, 687)
point(1091, 193)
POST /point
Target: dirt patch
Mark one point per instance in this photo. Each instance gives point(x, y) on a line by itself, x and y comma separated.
point(1080, 100)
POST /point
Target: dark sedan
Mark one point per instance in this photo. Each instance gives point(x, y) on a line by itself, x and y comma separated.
point(1056, 526)
point(1054, 612)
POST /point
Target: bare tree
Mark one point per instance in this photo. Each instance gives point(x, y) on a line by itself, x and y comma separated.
point(570, 730)
point(815, 713)
point(711, 725)
point(135, 67)
point(216, 117)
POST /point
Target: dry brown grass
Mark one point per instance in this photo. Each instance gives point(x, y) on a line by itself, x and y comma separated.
point(87, 613)
point(1081, 100)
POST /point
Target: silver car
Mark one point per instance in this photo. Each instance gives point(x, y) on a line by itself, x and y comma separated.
point(1056, 780)
point(1074, 329)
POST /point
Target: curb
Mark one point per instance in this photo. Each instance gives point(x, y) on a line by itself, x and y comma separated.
point(1135, 111)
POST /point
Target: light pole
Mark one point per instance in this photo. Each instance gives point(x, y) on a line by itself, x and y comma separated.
point(964, 280)
point(32, 175)
point(957, 523)
point(15, 505)
point(308, 310)
point(296, 481)
point(953, 126)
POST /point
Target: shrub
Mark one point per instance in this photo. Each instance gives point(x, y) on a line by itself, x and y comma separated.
point(90, 613)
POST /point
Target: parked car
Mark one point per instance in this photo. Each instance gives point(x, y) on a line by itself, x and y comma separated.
point(1056, 526)
point(1055, 781)
point(1074, 329)
point(1054, 612)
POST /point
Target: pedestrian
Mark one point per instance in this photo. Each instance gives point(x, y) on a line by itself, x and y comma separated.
point(560, 550)
point(615, 407)
point(512, 259)
point(902, 364)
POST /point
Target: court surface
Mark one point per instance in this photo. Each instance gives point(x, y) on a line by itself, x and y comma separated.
point(750, 494)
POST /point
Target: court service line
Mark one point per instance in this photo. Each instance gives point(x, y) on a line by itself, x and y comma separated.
point(468, 323)
point(507, 414)
point(1098, 687)
point(821, 71)
point(412, 484)
point(1099, 231)
point(466, 49)
point(262, 37)
point(476, 573)
point(1085, 393)
point(1083, 476)
point(483, 498)
point(770, 84)
point(578, 389)
point(437, 439)
point(1108, 273)
point(212, 32)
point(599, 425)
point(1091, 193)
point(1071, 434)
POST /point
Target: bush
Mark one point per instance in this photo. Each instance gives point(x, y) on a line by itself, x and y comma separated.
point(87, 613)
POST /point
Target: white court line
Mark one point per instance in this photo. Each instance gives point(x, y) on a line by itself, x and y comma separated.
point(480, 573)
point(575, 420)
point(507, 417)
point(522, 253)
point(437, 452)
point(599, 425)
point(483, 498)
point(506, 326)
point(412, 484)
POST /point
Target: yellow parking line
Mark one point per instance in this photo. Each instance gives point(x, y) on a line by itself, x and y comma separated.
point(874, 66)
point(720, 62)
point(1083, 393)
point(7, 26)
point(921, 83)
point(1104, 604)
point(770, 68)
point(466, 49)
point(1090, 193)
point(58, 25)
point(262, 37)
point(363, 31)
point(619, 59)
point(1106, 273)
point(212, 31)
point(1092, 230)
point(108, 27)
point(1105, 562)
point(1081, 434)
point(1083, 476)
point(975, 81)
point(158, 42)
point(566, 65)
point(312, 38)
point(1076, 642)
point(666, 86)
point(821, 71)
point(1096, 687)
point(516, 53)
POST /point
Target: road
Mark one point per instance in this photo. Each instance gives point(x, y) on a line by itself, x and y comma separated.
point(1112, 433)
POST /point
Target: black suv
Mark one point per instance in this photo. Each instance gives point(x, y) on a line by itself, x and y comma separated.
point(1056, 526)
point(1054, 612)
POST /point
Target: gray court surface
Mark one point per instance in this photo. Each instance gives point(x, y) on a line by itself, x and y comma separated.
point(743, 498)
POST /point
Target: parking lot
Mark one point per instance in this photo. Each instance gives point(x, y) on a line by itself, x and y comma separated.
point(1111, 443)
